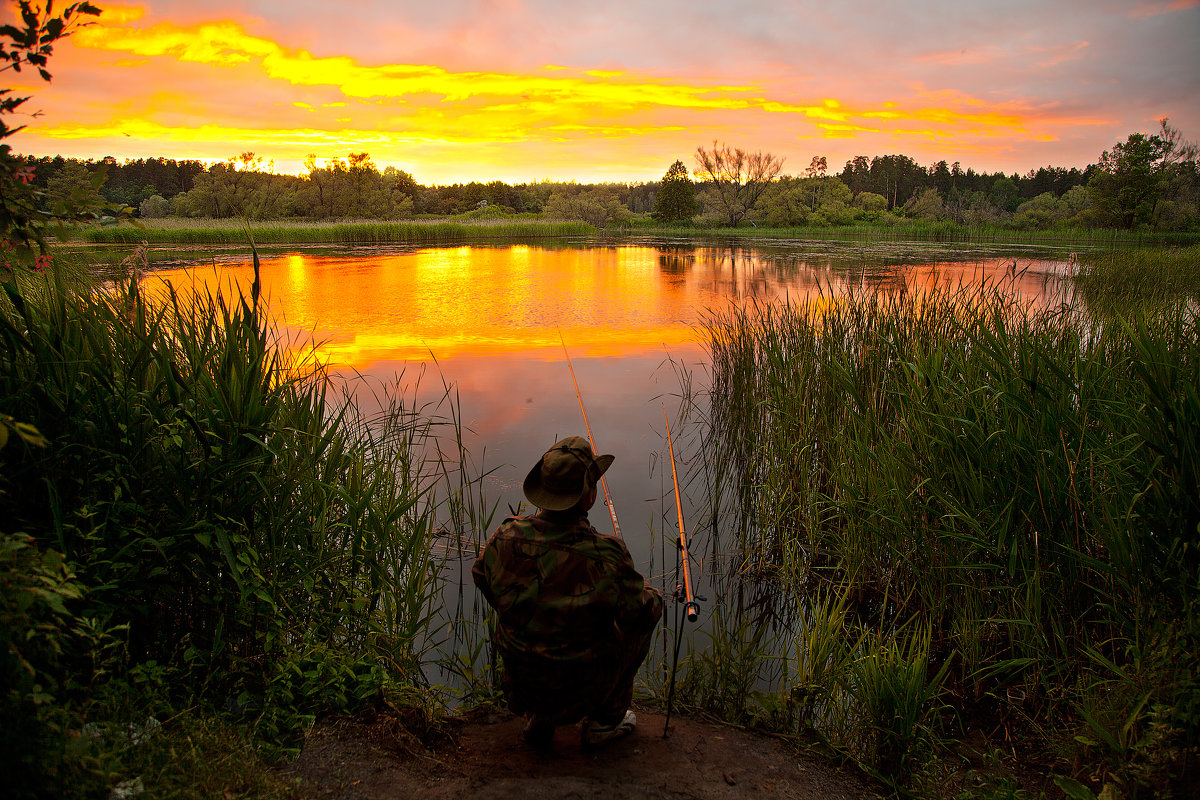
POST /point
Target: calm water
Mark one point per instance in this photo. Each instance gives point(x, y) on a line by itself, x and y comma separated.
point(492, 320)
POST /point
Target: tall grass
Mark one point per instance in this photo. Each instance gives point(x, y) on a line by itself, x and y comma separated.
point(1112, 280)
point(233, 522)
point(990, 491)
point(353, 232)
point(941, 231)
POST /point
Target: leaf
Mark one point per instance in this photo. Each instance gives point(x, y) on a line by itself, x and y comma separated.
point(30, 434)
point(1074, 789)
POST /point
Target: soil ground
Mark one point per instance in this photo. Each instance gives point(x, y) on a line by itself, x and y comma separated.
point(484, 756)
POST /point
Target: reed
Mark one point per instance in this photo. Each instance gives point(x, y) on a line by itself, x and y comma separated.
point(232, 518)
point(350, 232)
point(942, 231)
point(988, 488)
point(1113, 280)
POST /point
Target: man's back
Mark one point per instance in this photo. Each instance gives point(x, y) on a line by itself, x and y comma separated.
point(559, 587)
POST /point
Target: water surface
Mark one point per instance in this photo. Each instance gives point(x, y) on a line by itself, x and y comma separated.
point(492, 322)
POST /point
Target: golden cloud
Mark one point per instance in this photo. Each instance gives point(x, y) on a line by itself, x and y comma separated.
point(553, 93)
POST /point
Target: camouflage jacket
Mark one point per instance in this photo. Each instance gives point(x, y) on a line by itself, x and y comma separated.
point(562, 591)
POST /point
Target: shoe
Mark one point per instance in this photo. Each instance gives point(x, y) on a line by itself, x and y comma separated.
point(539, 731)
point(595, 734)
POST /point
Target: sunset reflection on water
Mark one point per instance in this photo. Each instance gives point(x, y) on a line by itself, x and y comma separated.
point(361, 308)
point(492, 322)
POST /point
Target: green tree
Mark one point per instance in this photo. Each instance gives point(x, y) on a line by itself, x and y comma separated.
point(596, 206)
point(676, 200)
point(74, 186)
point(1146, 179)
point(739, 178)
point(154, 206)
point(926, 204)
point(1125, 188)
point(23, 216)
point(1005, 194)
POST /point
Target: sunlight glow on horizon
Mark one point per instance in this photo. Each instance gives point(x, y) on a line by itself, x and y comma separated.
point(183, 85)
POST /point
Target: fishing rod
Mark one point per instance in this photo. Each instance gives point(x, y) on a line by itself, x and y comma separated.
point(691, 609)
point(612, 511)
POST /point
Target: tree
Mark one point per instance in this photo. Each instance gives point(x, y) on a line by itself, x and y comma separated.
point(816, 173)
point(676, 200)
point(895, 177)
point(74, 187)
point(925, 205)
point(1004, 194)
point(738, 177)
point(23, 219)
point(154, 206)
point(1136, 176)
point(597, 207)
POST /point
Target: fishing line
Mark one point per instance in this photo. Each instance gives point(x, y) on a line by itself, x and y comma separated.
point(612, 511)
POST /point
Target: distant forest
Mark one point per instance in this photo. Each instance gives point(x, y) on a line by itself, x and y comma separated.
point(1147, 181)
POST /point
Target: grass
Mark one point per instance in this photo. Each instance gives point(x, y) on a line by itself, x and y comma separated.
point(981, 501)
point(203, 512)
point(1112, 280)
point(938, 231)
point(209, 231)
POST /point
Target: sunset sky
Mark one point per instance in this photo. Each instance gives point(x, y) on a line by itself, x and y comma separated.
point(519, 90)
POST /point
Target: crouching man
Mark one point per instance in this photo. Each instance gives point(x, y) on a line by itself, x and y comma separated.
point(575, 616)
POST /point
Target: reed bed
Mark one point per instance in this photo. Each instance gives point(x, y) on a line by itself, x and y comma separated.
point(1112, 280)
point(969, 504)
point(944, 231)
point(236, 528)
point(354, 232)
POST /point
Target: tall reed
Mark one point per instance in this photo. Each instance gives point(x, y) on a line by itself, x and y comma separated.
point(352, 233)
point(990, 487)
point(242, 522)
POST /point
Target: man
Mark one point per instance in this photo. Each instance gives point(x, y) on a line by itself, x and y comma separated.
point(575, 616)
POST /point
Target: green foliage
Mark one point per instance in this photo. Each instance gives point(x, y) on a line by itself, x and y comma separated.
point(1138, 175)
point(926, 205)
point(800, 201)
point(36, 591)
point(676, 199)
point(894, 683)
point(24, 216)
point(255, 538)
point(597, 207)
point(154, 207)
point(1113, 280)
point(231, 232)
point(1020, 481)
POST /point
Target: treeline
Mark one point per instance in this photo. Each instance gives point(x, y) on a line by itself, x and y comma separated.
point(339, 188)
point(1147, 181)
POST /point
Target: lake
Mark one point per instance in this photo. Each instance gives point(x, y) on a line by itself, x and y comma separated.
point(492, 322)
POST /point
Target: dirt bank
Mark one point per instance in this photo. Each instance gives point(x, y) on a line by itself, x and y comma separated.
point(485, 757)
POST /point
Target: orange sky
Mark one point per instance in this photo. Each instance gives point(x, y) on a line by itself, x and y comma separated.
point(522, 90)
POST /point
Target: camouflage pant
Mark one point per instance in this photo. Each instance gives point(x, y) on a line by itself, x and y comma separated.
point(600, 689)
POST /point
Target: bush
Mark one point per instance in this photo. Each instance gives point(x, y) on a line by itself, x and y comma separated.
point(36, 751)
point(154, 207)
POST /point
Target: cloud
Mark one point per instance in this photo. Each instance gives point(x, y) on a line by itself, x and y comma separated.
point(1154, 9)
point(475, 89)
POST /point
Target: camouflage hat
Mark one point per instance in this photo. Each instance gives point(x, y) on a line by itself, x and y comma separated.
point(564, 474)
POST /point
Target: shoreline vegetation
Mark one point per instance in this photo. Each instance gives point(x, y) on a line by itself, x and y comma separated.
point(531, 228)
point(352, 232)
point(984, 516)
point(978, 524)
